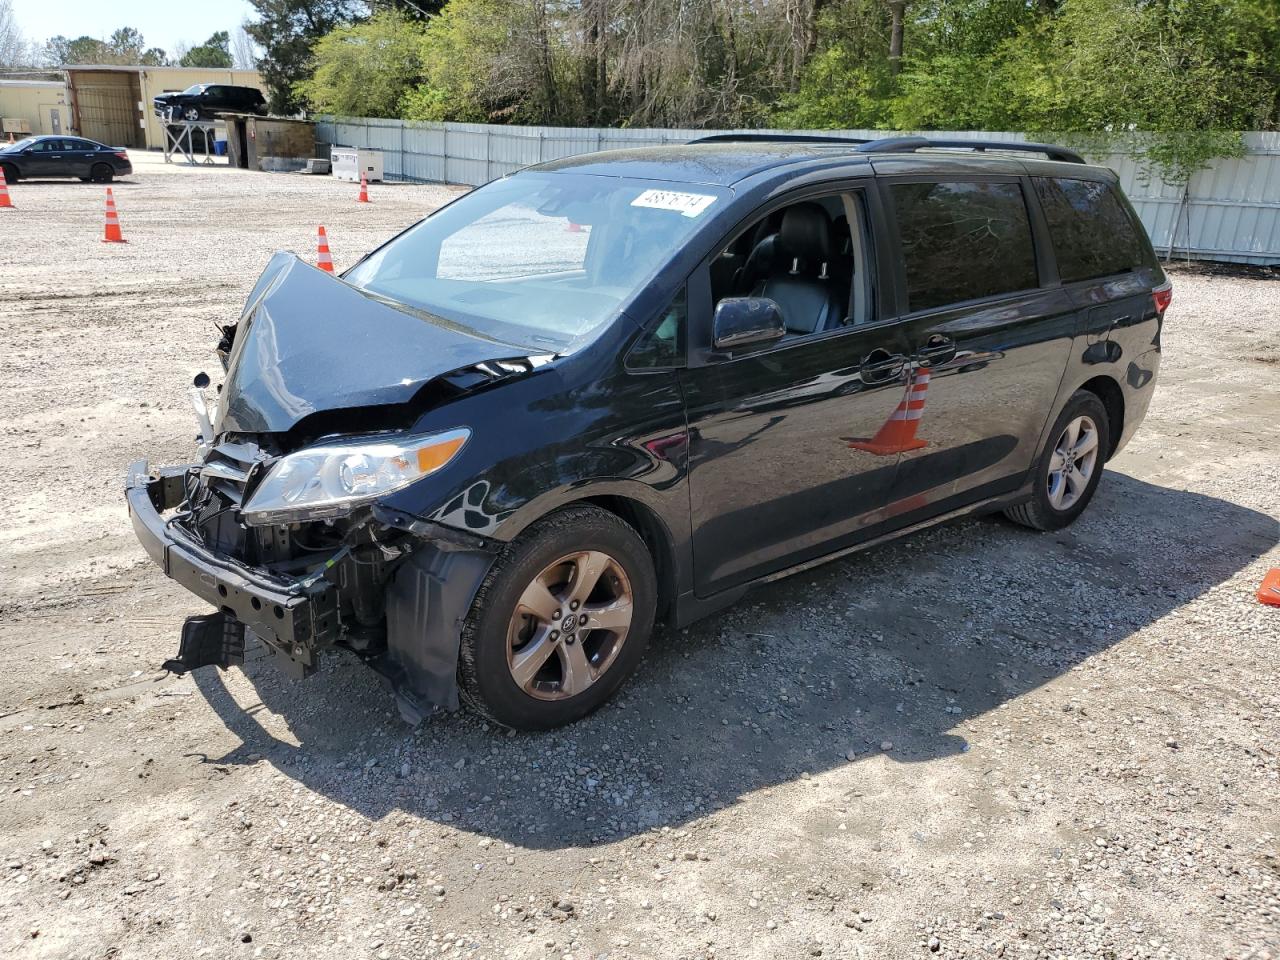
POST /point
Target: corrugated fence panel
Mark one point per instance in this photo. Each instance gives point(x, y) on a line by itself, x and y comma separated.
point(1229, 211)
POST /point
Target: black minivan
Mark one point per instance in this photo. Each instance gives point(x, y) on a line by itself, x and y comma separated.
point(624, 387)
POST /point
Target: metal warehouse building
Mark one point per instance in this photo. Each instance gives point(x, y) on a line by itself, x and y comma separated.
point(112, 104)
point(39, 105)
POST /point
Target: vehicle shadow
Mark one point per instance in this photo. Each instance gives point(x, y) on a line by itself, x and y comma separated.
point(889, 651)
point(70, 182)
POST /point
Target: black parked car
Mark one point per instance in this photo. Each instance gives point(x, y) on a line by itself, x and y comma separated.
point(63, 157)
point(205, 101)
point(624, 387)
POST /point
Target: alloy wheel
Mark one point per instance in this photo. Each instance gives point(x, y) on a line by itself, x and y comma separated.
point(1072, 463)
point(569, 625)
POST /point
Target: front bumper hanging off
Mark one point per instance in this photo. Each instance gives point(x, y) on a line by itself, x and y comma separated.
point(294, 617)
point(427, 598)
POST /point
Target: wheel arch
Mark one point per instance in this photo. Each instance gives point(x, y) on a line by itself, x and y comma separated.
point(1107, 390)
point(646, 522)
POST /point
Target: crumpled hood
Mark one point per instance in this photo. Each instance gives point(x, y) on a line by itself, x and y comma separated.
point(308, 342)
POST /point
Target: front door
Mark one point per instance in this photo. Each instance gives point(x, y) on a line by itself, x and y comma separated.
point(45, 159)
point(793, 447)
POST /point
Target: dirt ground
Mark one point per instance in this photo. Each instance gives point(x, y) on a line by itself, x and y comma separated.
point(974, 742)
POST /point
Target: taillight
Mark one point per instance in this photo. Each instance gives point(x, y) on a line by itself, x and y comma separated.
point(1162, 296)
point(122, 155)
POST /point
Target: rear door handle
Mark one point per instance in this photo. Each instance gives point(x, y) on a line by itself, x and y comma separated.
point(881, 366)
point(937, 349)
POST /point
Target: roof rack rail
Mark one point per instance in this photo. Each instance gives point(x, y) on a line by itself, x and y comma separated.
point(775, 138)
point(899, 144)
point(911, 144)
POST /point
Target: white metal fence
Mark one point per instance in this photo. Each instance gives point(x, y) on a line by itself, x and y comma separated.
point(1229, 211)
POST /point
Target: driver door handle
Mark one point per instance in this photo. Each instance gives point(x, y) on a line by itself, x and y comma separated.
point(881, 366)
point(937, 349)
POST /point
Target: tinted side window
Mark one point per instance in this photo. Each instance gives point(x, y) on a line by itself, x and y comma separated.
point(1093, 235)
point(663, 345)
point(961, 241)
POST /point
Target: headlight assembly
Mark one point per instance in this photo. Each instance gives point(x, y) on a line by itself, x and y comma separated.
point(321, 482)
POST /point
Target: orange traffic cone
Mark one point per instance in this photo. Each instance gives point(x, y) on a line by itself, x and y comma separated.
point(573, 227)
point(5, 202)
point(112, 233)
point(899, 432)
point(1269, 592)
point(364, 189)
point(323, 260)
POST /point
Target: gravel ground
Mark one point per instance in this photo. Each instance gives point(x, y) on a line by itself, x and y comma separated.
point(974, 742)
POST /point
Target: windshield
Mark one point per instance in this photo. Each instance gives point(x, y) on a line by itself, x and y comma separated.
point(20, 145)
point(539, 259)
point(192, 90)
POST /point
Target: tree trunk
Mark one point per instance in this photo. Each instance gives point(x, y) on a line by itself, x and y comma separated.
point(898, 11)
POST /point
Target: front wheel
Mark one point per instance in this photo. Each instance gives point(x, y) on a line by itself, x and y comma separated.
point(191, 114)
point(10, 172)
point(1069, 468)
point(560, 621)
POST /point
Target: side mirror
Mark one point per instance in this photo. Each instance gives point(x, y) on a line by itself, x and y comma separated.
point(744, 321)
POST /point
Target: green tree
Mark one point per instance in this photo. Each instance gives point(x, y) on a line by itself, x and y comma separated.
point(214, 52)
point(125, 46)
point(365, 69)
point(480, 62)
point(286, 30)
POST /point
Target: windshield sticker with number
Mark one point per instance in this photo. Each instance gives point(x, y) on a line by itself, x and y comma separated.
point(688, 204)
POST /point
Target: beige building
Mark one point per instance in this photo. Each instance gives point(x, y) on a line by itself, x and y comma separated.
point(112, 104)
point(39, 106)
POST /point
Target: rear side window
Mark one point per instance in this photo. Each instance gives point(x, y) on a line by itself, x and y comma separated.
point(963, 241)
point(1093, 235)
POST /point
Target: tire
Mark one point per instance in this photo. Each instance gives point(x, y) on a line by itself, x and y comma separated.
point(102, 173)
point(10, 172)
point(498, 629)
point(1056, 502)
point(191, 114)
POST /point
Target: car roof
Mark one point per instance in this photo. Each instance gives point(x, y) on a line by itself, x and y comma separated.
point(727, 163)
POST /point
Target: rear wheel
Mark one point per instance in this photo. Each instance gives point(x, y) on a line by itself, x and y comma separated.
point(10, 172)
point(560, 622)
point(1070, 467)
point(102, 173)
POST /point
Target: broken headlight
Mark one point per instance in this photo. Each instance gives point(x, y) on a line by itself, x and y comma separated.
point(321, 482)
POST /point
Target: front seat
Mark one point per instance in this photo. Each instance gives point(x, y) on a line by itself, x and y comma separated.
point(799, 279)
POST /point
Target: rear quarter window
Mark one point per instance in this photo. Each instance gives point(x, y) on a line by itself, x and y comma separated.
point(1093, 234)
point(963, 241)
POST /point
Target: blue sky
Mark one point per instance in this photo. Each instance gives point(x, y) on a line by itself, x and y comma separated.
point(163, 23)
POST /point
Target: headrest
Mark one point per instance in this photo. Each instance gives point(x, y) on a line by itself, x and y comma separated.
point(806, 233)
point(764, 255)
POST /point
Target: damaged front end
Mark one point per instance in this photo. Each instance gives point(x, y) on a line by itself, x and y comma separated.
point(281, 525)
point(370, 583)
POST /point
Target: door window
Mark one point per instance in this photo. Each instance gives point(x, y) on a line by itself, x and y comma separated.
point(809, 257)
point(963, 241)
point(47, 146)
point(1092, 233)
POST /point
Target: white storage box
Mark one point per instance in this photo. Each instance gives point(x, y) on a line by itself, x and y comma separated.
point(349, 163)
